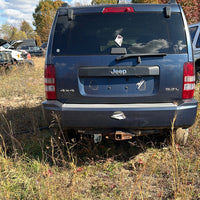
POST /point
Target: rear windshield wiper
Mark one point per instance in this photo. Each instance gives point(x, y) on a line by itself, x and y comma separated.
point(122, 57)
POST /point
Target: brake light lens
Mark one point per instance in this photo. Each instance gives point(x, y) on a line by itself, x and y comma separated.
point(50, 81)
point(188, 80)
point(118, 9)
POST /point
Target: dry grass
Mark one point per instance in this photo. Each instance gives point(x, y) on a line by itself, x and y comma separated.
point(40, 164)
point(21, 94)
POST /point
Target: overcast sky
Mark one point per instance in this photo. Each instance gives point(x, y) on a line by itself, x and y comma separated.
point(15, 11)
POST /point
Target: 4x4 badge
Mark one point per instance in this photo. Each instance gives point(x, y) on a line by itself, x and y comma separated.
point(118, 115)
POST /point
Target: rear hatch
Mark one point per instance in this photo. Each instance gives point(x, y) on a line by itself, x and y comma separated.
point(126, 54)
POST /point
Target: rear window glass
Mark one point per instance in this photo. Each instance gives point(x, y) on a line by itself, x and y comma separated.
point(97, 34)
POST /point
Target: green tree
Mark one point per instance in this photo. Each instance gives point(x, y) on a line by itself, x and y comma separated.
point(43, 17)
point(8, 31)
point(20, 35)
point(27, 29)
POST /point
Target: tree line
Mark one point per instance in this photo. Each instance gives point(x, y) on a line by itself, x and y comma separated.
point(46, 9)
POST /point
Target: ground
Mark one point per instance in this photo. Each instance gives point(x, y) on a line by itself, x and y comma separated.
point(39, 163)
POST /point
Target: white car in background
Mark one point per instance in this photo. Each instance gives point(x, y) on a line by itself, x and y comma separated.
point(18, 56)
point(195, 35)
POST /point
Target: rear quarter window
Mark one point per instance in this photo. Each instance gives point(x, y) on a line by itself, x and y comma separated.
point(95, 34)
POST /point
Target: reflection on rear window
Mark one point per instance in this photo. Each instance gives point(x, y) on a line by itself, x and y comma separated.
point(96, 34)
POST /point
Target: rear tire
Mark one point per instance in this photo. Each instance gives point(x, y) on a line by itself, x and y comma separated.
point(9, 68)
point(29, 63)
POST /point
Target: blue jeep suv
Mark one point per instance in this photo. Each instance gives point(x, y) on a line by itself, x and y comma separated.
point(122, 70)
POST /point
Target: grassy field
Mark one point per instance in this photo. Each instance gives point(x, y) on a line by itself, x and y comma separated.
point(38, 163)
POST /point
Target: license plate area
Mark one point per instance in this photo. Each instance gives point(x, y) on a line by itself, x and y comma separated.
point(118, 86)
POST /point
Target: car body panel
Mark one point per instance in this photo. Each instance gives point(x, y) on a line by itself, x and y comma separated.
point(162, 89)
point(16, 54)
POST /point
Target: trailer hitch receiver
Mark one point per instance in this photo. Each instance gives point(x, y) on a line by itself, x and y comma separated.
point(119, 136)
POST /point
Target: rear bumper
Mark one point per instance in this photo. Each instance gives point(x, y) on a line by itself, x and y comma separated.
point(134, 116)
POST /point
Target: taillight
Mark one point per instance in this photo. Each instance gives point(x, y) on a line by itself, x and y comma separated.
point(118, 9)
point(50, 81)
point(188, 80)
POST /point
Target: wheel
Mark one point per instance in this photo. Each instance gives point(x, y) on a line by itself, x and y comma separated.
point(9, 68)
point(181, 136)
point(29, 63)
